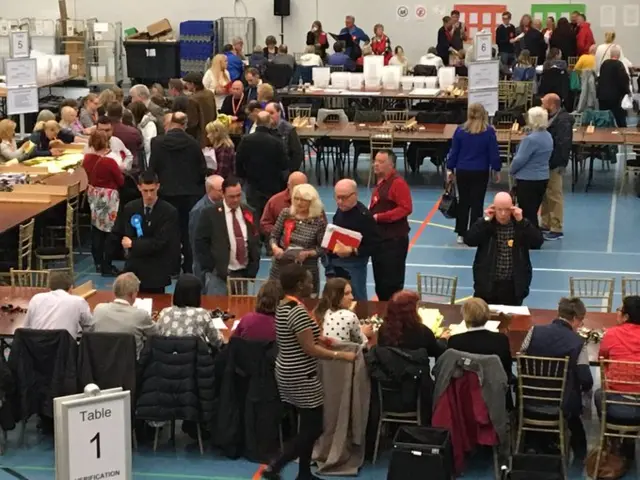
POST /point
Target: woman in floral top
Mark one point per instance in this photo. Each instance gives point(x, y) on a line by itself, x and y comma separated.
point(186, 318)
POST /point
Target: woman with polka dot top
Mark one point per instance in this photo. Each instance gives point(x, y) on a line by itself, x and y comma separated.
point(333, 314)
point(186, 318)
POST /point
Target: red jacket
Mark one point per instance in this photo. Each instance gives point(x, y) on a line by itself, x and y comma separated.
point(102, 171)
point(584, 38)
point(462, 410)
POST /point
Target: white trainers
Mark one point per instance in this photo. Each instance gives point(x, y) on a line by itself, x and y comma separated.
point(460, 240)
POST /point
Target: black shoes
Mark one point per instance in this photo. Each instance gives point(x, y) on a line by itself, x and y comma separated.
point(110, 271)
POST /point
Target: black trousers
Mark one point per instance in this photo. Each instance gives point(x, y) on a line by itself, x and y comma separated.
point(472, 187)
point(257, 201)
point(183, 204)
point(389, 263)
point(301, 447)
point(530, 194)
point(502, 293)
point(618, 112)
point(146, 289)
point(101, 248)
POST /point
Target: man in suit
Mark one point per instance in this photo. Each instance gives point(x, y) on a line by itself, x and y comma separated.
point(295, 153)
point(150, 236)
point(120, 316)
point(227, 240)
point(141, 93)
point(213, 194)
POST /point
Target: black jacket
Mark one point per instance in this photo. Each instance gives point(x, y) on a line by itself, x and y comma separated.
point(154, 256)
point(175, 380)
point(212, 246)
point(534, 42)
point(293, 146)
point(443, 45)
point(360, 219)
point(504, 33)
point(7, 391)
point(227, 107)
point(613, 83)
point(249, 409)
point(178, 161)
point(43, 364)
point(561, 129)
point(484, 342)
point(108, 360)
point(261, 159)
point(566, 43)
point(482, 235)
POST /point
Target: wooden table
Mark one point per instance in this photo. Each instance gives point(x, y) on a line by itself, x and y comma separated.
point(516, 329)
point(13, 214)
point(400, 94)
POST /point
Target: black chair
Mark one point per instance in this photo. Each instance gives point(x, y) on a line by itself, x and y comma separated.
point(425, 71)
point(303, 73)
point(278, 75)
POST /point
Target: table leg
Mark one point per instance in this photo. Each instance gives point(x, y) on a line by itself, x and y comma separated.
point(591, 160)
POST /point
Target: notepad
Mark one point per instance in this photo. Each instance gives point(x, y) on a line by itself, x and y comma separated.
point(218, 323)
point(491, 325)
point(510, 310)
point(145, 304)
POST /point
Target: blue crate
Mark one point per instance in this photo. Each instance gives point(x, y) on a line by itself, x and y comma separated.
point(196, 50)
point(197, 27)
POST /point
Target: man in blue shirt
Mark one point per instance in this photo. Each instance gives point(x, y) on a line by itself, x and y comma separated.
point(340, 58)
point(357, 34)
point(234, 63)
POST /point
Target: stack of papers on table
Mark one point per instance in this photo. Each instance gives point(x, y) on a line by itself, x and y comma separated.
point(334, 234)
point(145, 304)
point(491, 325)
point(510, 310)
point(425, 92)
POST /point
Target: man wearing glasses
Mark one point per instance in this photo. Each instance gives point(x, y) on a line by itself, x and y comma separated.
point(346, 261)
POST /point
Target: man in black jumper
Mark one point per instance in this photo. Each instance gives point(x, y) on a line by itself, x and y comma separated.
point(391, 206)
point(504, 33)
point(353, 215)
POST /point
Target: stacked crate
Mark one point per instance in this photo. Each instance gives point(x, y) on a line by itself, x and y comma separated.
point(197, 41)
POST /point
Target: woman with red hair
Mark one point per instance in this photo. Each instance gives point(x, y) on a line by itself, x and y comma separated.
point(403, 329)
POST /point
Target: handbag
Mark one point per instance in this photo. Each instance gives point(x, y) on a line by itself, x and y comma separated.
point(449, 201)
point(613, 465)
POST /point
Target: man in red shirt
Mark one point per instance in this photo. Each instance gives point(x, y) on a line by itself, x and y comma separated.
point(584, 35)
point(391, 205)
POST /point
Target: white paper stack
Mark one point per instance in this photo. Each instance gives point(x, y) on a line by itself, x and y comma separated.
point(334, 233)
point(145, 304)
point(510, 310)
point(321, 76)
point(218, 323)
point(491, 325)
point(446, 77)
point(425, 92)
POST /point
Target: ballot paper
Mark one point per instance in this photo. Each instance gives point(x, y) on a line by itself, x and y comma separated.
point(145, 304)
point(491, 325)
point(218, 323)
point(235, 325)
point(510, 310)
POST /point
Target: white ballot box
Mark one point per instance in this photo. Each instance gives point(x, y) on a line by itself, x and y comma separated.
point(93, 434)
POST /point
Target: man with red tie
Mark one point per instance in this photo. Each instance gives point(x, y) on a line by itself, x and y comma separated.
point(227, 240)
point(391, 206)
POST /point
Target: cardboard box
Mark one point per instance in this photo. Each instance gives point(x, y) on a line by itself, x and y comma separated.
point(159, 28)
point(75, 48)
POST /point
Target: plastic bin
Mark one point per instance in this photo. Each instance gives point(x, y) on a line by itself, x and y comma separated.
point(197, 28)
point(151, 62)
point(536, 467)
point(421, 449)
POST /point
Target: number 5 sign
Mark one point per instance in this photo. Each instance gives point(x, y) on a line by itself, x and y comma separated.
point(93, 434)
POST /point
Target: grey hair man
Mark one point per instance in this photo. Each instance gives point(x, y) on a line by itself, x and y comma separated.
point(141, 93)
point(213, 188)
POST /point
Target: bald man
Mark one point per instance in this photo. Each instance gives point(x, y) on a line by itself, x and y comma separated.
point(261, 161)
point(561, 130)
point(279, 202)
point(502, 269)
point(347, 261)
point(234, 105)
point(177, 159)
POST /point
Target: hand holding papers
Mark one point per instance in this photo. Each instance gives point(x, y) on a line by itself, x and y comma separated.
point(337, 239)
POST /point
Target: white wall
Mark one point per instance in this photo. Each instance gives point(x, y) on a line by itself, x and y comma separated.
point(414, 36)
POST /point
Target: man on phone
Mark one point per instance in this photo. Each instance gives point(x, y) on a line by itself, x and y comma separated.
point(502, 269)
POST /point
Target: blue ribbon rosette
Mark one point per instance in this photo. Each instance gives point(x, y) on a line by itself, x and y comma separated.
point(136, 222)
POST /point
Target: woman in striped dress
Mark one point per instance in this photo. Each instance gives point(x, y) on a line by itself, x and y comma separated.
point(299, 348)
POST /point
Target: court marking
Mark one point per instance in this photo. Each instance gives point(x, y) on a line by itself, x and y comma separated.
point(612, 210)
point(424, 223)
point(439, 225)
point(536, 252)
point(557, 270)
point(463, 299)
point(144, 474)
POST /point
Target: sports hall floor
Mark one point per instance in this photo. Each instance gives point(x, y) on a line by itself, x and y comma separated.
point(601, 240)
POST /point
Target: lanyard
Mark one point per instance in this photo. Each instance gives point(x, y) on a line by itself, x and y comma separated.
point(236, 106)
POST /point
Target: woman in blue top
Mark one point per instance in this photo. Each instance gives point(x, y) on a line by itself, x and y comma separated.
point(530, 165)
point(474, 151)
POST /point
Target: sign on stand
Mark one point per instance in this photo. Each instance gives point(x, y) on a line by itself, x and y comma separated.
point(484, 82)
point(22, 81)
point(93, 434)
point(483, 46)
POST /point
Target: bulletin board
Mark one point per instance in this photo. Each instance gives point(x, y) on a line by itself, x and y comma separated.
point(480, 17)
point(555, 10)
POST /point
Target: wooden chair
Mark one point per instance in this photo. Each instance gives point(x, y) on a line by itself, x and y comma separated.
point(298, 110)
point(630, 286)
point(505, 149)
point(244, 287)
point(62, 253)
point(396, 116)
point(463, 83)
point(577, 119)
point(626, 379)
point(73, 200)
point(30, 278)
point(506, 93)
point(594, 289)
point(541, 385)
point(571, 63)
point(379, 139)
point(25, 249)
point(437, 287)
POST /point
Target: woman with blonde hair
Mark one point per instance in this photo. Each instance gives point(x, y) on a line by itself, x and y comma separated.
point(530, 165)
point(297, 234)
point(474, 153)
point(266, 94)
point(89, 111)
point(603, 52)
point(217, 78)
point(105, 98)
point(49, 138)
point(9, 152)
point(225, 152)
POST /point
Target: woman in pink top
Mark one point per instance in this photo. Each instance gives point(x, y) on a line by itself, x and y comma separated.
point(622, 343)
point(260, 325)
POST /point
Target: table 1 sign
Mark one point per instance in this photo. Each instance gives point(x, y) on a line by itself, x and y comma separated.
point(93, 435)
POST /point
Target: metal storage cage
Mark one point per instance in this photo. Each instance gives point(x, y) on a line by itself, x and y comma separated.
point(42, 34)
point(8, 25)
point(243, 27)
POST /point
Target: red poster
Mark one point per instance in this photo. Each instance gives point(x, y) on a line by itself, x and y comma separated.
point(480, 17)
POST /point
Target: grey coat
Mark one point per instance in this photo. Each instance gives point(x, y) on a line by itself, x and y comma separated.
point(347, 388)
point(493, 381)
point(588, 93)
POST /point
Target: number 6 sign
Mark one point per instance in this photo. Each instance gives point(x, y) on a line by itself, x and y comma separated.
point(483, 46)
point(93, 434)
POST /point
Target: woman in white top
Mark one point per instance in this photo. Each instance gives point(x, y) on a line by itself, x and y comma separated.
point(310, 58)
point(334, 316)
point(603, 52)
point(217, 78)
point(145, 122)
point(399, 58)
point(9, 152)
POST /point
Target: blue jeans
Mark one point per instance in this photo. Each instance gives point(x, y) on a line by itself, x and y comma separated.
point(214, 285)
point(617, 411)
point(357, 269)
point(507, 59)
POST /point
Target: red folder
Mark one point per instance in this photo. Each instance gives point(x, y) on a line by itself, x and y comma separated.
point(334, 234)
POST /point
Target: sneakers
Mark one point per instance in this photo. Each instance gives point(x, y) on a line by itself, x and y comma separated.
point(551, 236)
point(460, 240)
